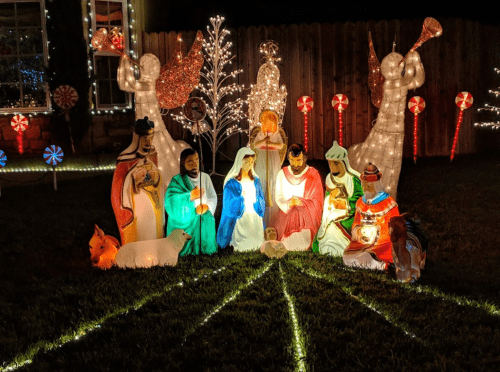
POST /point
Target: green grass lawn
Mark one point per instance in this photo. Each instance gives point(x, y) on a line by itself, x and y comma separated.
point(244, 312)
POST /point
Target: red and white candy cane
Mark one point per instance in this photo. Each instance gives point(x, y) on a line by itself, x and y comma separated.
point(19, 123)
point(416, 105)
point(340, 103)
point(464, 101)
point(305, 104)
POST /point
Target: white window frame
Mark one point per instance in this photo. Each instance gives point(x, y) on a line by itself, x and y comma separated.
point(39, 109)
point(125, 30)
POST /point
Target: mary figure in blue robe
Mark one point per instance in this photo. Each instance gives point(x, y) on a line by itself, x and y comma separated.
point(243, 206)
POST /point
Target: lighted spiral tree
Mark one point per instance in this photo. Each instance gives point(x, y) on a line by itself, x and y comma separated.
point(495, 109)
point(224, 114)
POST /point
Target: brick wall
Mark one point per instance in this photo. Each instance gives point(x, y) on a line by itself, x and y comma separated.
point(36, 137)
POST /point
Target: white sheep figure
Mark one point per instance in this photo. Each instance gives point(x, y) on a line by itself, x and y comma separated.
point(149, 253)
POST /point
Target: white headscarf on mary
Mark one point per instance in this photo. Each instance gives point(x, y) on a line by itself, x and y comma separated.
point(238, 162)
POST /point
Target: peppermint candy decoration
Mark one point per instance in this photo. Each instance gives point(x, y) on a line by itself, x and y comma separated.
point(305, 104)
point(464, 100)
point(416, 104)
point(340, 102)
point(53, 155)
point(19, 123)
point(3, 159)
point(65, 96)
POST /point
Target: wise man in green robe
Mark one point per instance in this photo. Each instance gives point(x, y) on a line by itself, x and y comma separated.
point(343, 189)
point(190, 203)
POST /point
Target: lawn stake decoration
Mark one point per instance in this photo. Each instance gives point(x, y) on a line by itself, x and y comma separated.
point(464, 101)
point(65, 96)
point(340, 103)
point(53, 155)
point(416, 105)
point(305, 104)
point(19, 123)
point(3, 161)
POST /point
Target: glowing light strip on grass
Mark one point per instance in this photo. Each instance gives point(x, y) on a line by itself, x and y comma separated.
point(459, 300)
point(299, 343)
point(364, 301)
point(59, 169)
point(230, 298)
point(85, 328)
point(491, 309)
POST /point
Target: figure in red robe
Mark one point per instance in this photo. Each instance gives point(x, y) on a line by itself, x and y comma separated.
point(299, 196)
point(135, 193)
point(370, 246)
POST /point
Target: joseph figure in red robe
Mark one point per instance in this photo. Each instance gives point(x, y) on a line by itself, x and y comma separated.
point(299, 196)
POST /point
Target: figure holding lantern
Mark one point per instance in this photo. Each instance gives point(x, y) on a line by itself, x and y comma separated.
point(269, 143)
point(190, 203)
point(370, 246)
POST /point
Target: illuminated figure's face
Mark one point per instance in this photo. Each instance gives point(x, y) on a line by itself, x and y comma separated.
point(247, 162)
point(368, 187)
point(145, 144)
point(337, 167)
point(297, 163)
point(192, 165)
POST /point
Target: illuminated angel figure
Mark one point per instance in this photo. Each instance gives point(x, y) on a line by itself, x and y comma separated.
point(266, 106)
point(168, 87)
point(146, 104)
point(389, 83)
point(384, 144)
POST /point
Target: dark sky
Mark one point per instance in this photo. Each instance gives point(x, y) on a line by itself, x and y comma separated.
point(193, 15)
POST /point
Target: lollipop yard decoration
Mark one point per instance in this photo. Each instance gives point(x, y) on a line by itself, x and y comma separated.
point(305, 104)
point(53, 155)
point(19, 123)
point(416, 105)
point(340, 103)
point(464, 101)
point(65, 96)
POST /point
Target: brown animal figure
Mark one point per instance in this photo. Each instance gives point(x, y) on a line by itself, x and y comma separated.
point(103, 249)
point(408, 252)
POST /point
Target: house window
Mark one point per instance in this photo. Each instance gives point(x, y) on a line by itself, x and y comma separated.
point(109, 14)
point(23, 56)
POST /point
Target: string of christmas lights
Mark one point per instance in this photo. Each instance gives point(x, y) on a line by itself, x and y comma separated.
point(489, 108)
point(370, 304)
point(87, 327)
point(298, 340)
point(89, 22)
point(231, 297)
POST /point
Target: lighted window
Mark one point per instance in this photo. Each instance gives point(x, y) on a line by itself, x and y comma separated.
point(23, 56)
point(109, 14)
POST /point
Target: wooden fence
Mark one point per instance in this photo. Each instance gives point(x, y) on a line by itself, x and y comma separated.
point(321, 60)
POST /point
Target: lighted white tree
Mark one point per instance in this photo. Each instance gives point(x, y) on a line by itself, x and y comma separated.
point(224, 109)
point(491, 108)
